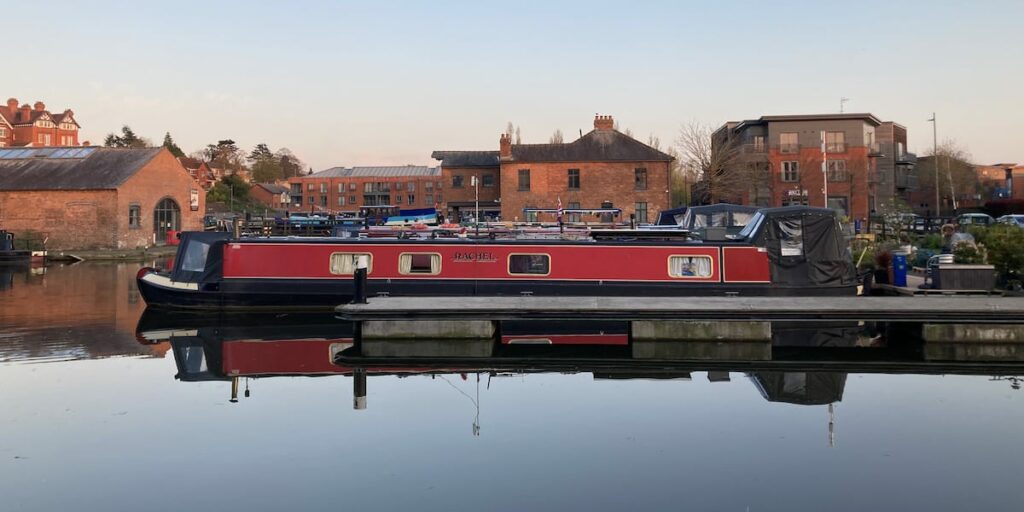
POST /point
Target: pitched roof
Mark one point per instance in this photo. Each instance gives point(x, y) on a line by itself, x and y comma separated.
point(467, 158)
point(74, 168)
point(377, 172)
point(189, 162)
point(273, 188)
point(595, 146)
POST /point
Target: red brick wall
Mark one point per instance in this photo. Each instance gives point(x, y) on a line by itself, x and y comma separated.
point(272, 201)
point(161, 177)
point(76, 219)
point(420, 194)
point(468, 192)
point(857, 190)
point(599, 181)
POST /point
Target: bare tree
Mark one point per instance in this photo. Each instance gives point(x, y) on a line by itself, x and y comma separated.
point(715, 158)
point(556, 138)
point(519, 140)
point(957, 176)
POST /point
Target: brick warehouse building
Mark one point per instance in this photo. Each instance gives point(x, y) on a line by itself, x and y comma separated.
point(345, 189)
point(603, 166)
point(94, 197)
point(868, 164)
point(36, 126)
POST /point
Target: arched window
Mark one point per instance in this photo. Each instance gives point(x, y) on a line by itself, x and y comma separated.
point(166, 217)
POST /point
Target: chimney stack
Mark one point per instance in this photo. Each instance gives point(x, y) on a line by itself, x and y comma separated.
point(604, 122)
point(12, 106)
point(505, 143)
point(26, 113)
point(39, 106)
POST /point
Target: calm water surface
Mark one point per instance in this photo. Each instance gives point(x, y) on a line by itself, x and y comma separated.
point(98, 418)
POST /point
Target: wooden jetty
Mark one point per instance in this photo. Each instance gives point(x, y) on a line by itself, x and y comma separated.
point(990, 310)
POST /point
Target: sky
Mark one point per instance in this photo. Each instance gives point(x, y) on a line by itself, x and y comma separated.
point(386, 83)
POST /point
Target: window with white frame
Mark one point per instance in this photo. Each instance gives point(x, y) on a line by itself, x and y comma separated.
point(835, 142)
point(689, 266)
point(344, 263)
point(790, 171)
point(789, 142)
point(410, 263)
point(837, 171)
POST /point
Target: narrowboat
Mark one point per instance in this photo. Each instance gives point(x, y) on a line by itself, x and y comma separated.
point(791, 251)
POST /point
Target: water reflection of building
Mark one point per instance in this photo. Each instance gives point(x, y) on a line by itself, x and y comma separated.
point(84, 311)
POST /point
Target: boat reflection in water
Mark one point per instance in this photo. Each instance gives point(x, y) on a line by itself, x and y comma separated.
point(803, 363)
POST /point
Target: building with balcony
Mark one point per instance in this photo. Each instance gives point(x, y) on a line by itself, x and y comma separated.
point(345, 189)
point(867, 163)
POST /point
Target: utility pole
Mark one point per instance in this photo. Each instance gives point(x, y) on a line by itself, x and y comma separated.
point(824, 166)
point(935, 162)
point(841, 102)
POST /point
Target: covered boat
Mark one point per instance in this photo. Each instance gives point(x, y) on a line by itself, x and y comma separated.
point(781, 251)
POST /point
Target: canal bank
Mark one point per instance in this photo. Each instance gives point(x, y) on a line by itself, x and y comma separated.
point(124, 255)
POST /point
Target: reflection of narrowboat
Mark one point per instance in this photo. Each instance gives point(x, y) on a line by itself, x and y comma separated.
point(8, 255)
point(781, 251)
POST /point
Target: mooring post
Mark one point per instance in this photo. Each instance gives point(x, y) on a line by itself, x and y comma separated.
point(359, 389)
point(359, 277)
point(234, 389)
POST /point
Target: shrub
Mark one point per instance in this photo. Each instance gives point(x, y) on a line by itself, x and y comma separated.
point(1005, 245)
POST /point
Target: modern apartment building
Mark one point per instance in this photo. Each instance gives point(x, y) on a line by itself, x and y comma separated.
point(867, 162)
point(345, 189)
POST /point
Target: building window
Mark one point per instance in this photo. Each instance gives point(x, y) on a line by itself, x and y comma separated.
point(488, 180)
point(429, 186)
point(788, 142)
point(533, 264)
point(837, 171)
point(310, 187)
point(341, 188)
point(323, 200)
point(641, 212)
point(134, 216)
point(524, 179)
point(430, 199)
point(412, 199)
point(323, 188)
point(341, 200)
point(398, 199)
point(419, 263)
point(352, 187)
point(689, 266)
point(835, 142)
point(759, 146)
point(574, 179)
point(457, 181)
point(790, 171)
point(411, 186)
point(312, 200)
point(640, 178)
point(439, 199)
point(574, 217)
point(3, 131)
point(344, 263)
point(352, 200)
point(367, 187)
point(399, 186)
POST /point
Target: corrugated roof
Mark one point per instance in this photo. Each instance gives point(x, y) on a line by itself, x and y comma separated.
point(70, 168)
point(596, 146)
point(272, 188)
point(377, 172)
point(467, 158)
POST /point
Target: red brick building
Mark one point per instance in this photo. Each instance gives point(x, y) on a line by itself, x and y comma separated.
point(36, 126)
point(603, 166)
point(868, 164)
point(345, 189)
point(94, 197)
point(458, 171)
point(274, 196)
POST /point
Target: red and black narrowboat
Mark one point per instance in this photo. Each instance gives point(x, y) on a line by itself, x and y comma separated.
point(789, 251)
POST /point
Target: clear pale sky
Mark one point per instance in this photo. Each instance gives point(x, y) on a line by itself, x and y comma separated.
point(382, 83)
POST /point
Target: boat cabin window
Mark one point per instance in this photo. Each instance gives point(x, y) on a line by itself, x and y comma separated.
point(689, 266)
point(536, 264)
point(194, 259)
point(419, 263)
point(791, 237)
point(344, 263)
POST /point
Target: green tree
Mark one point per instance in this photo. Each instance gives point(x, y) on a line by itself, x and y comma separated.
point(291, 165)
point(224, 154)
point(265, 165)
point(170, 145)
point(127, 139)
point(231, 190)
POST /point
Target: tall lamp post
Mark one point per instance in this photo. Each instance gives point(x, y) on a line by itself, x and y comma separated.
point(935, 162)
point(476, 215)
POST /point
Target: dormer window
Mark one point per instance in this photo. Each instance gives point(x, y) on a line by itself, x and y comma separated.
point(45, 123)
point(68, 126)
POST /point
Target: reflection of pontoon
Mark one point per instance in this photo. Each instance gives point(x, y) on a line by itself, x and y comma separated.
point(782, 251)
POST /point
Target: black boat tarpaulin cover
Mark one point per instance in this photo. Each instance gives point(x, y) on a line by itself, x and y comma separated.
point(801, 388)
point(806, 247)
point(200, 256)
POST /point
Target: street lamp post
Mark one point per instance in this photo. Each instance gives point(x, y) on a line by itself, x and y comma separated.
point(935, 162)
point(476, 216)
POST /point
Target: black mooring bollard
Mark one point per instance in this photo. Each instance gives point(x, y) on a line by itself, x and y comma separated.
point(359, 389)
point(359, 292)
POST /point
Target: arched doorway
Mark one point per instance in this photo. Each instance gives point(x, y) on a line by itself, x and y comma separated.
point(166, 217)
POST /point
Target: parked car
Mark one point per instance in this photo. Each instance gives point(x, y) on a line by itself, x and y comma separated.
point(1013, 220)
point(974, 219)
